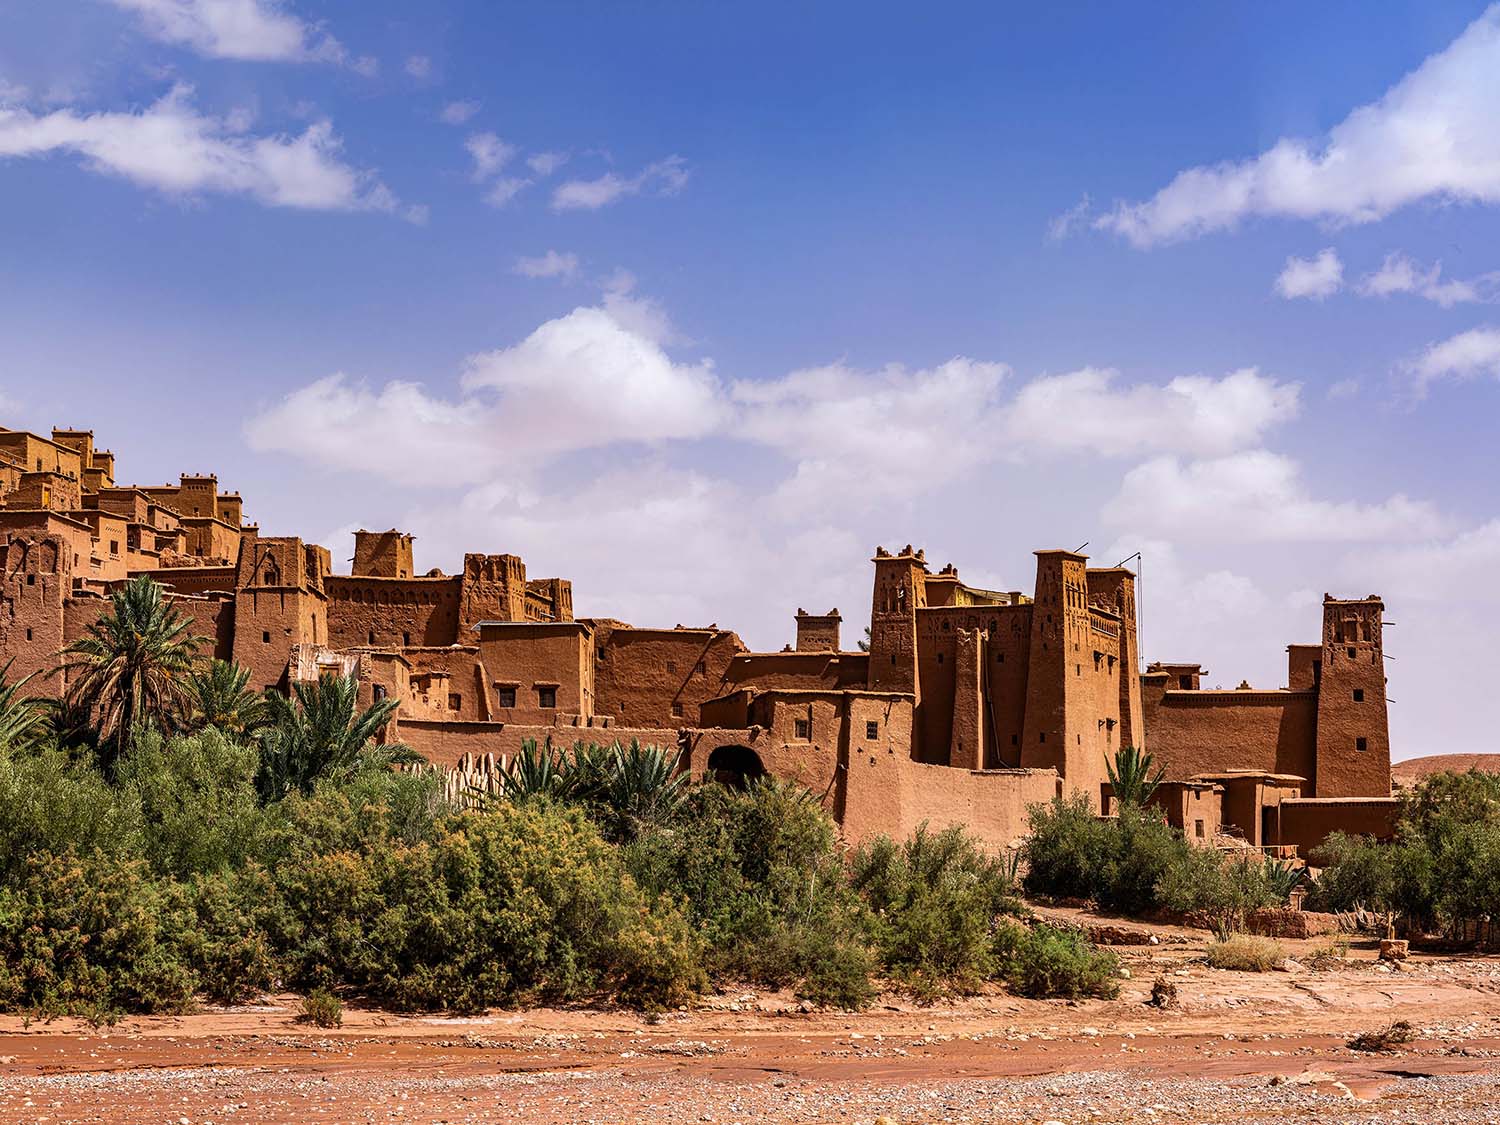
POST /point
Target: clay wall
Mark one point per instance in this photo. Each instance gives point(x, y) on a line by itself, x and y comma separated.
point(38, 574)
point(1304, 667)
point(110, 545)
point(80, 442)
point(392, 611)
point(1308, 822)
point(268, 622)
point(1353, 740)
point(1198, 732)
point(900, 591)
point(1003, 669)
point(450, 683)
point(445, 742)
point(382, 554)
point(211, 538)
point(46, 490)
point(808, 670)
point(535, 663)
point(1115, 588)
point(492, 588)
point(660, 677)
point(229, 508)
point(1194, 810)
point(549, 599)
point(39, 455)
point(818, 632)
point(193, 579)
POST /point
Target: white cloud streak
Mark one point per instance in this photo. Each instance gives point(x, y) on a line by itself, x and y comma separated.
point(550, 264)
point(1313, 278)
point(665, 177)
point(1400, 274)
point(457, 113)
point(172, 148)
point(1432, 136)
point(250, 30)
point(1467, 355)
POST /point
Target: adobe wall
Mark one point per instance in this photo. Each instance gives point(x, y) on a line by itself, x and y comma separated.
point(1003, 660)
point(818, 632)
point(37, 577)
point(660, 677)
point(799, 670)
point(1353, 741)
point(392, 611)
point(463, 679)
point(1198, 732)
point(445, 742)
point(194, 579)
point(892, 795)
point(268, 622)
point(1308, 822)
point(533, 658)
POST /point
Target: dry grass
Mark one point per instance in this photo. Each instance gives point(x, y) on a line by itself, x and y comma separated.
point(1163, 993)
point(1247, 953)
point(1331, 955)
point(1384, 1039)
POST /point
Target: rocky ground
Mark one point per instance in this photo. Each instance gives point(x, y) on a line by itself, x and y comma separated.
point(1235, 1047)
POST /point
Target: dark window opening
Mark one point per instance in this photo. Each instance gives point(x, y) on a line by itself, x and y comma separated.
point(1359, 695)
point(872, 731)
point(802, 730)
point(999, 658)
point(546, 697)
point(406, 638)
point(702, 667)
point(114, 546)
point(31, 580)
point(893, 659)
point(455, 703)
point(1198, 829)
point(506, 696)
point(735, 766)
point(372, 636)
point(671, 667)
point(1361, 744)
point(677, 709)
point(1041, 736)
point(1185, 683)
point(1351, 654)
point(379, 692)
point(940, 658)
point(265, 638)
point(28, 634)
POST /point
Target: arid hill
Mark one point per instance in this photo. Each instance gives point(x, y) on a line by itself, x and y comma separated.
point(1415, 769)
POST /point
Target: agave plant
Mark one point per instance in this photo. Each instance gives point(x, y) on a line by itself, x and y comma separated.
point(536, 772)
point(132, 666)
point(643, 787)
point(320, 732)
point(1131, 778)
point(23, 718)
point(1283, 877)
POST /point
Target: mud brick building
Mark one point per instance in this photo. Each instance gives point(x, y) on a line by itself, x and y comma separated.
point(968, 706)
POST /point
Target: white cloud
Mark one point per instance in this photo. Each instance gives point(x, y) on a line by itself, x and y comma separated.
point(1315, 278)
point(456, 113)
point(1074, 219)
point(1343, 390)
point(550, 264)
point(419, 66)
point(666, 177)
point(1432, 136)
point(545, 163)
point(578, 382)
point(1435, 570)
point(1087, 410)
point(172, 148)
point(490, 154)
point(1255, 496)
point(1464, 356)
point(1399, 274)
point(503, 190)
point(252, 30)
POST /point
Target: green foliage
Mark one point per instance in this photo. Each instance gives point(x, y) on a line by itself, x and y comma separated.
point(1131, 778)
point(1069, 845)
point(93, 937)
point(23, 718)
point(1045, 961)
point(220, 697)
point(132, 667)
point(322, 1008)
point(319, 732)
point(935, 901)
point(1228, 888)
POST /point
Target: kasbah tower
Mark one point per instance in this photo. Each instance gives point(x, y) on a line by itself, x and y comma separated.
point(968, 706)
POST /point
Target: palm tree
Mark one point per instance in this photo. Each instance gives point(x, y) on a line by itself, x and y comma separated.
point(220, 699)
point(320, 732)
point(1131, 778)
point(23, 718)
point(132, 666)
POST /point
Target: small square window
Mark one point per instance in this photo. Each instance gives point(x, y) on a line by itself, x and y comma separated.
point(999, 658)
point(1015, 739)
point(1041, 736)
point(702, 667)
point(546, 697)
point(677, 710)
point(28, 634)
point(1198, 829)
point(455, 703)
point(1361, 744)
point(872, 731)
point(406, 638)
point(671, 666)
point(505, 697)
point(1359, 695)
point(802, 730)
point(379, 692)
point(265, 638)
point(1351, 654)
point(940, 658)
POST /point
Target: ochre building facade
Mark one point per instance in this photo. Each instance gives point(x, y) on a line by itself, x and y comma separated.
point(966, 706)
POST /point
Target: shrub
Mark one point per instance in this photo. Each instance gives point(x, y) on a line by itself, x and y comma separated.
point(322, 1008)
point(91, 937)
point(1246, 953)
point(1226, 888)
point(1384, 1039)
point(1044, 962)
point(759, 874)
point(1067, 849)
point(934, 902)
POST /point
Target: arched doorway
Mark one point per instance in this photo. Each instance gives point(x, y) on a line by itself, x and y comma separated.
point(735, 766)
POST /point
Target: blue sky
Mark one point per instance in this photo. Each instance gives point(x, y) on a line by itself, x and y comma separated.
point(695, 304)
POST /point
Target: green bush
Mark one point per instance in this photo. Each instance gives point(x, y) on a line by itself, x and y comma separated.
point(322, 1008)
point(92, 937)
point(935, 901)
point(1044, 962)
point(1068, 847)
